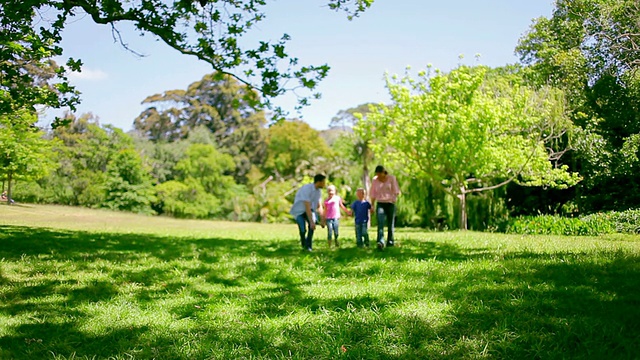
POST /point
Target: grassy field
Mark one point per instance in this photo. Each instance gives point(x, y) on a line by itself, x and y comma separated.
point(87, 284)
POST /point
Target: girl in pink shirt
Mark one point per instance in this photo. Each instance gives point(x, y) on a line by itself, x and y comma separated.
point(332, 206)
point(384, 193)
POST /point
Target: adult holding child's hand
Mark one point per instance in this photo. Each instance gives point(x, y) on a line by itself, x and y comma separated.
point(384, 194)
point(307, 210)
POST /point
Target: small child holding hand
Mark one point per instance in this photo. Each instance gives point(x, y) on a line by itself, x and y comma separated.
point(332, 206)
point(361, 209)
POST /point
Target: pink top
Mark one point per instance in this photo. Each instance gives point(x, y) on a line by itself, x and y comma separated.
point(332, 207)
point(385, 192)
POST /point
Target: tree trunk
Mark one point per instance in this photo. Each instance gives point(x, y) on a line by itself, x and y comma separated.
point(9, 190)
point(463, 208)
point(366, 180)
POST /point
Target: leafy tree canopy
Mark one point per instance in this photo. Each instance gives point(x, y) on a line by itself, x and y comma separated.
point(591, 50)
point(23, 150)
point(293, 146)
point(218, 103)
point(471, 130)
point(601, 36)
point(31, 31)
point(128, 184)
point(28, 76)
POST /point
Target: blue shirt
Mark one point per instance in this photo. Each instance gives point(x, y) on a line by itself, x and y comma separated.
point(308, 193)
point(361, 211)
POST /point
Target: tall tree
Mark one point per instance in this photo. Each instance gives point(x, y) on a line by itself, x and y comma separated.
point(293, 147)
point(23, 149)
point(84, 155)
point(602, 37)
point(219, 103)
point(202, 184)
point(128, 184)
point(471, 130)
point(590, 50)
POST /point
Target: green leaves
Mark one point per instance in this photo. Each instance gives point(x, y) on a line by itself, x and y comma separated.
point(26, 79)
point(229, 111)
point(128, 185)
point(589, 49)
point(353, 8)
point(291, 145)
point(211, 31)
point(471, 130)
point(201, 186)
point(24, 153)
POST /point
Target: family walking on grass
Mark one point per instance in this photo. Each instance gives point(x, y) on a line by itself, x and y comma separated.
point(309, 210)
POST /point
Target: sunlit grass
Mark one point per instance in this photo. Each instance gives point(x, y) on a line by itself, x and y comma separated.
point(87, 284)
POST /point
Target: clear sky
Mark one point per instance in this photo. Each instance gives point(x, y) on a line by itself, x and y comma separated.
point(390, 36)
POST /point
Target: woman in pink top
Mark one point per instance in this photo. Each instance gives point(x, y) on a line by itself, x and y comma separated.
point(384, 193)
point(332, 206)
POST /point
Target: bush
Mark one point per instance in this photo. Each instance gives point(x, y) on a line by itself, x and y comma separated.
point(182, 200)
point(626, 222)
point(556, 225)
point(27, 192)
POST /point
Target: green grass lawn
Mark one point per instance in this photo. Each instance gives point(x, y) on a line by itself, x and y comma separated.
point(88, 284)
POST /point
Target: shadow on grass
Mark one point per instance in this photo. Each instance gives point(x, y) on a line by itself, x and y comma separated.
point(17, 242)
point(525, 305)
point(546, 305)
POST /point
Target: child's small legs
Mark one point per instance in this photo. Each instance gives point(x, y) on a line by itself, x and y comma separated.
point(332, 231)
point(365, 235)
point(336, 226)
point(362, 235)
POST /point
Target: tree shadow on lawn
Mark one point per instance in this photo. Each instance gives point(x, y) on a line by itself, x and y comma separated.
point(535, 308)
point(17, 242)
point(66, 340)
point(86, 250)
point(530, 306)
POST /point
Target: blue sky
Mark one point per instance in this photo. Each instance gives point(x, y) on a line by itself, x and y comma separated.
point(390, 36)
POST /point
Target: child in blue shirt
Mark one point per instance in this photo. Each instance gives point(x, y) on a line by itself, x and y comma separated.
point(361, 209)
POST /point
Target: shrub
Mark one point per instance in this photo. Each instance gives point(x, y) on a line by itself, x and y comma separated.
point(557, 225)
point(189, 200)
point(27, 192)
point(627, 222)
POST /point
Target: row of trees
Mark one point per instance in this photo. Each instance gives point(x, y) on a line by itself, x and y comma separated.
point(556, 133)
point(226, 164)
point(205, 153)
point(589, 50)
point(578, 88)
point(31, 35)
